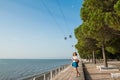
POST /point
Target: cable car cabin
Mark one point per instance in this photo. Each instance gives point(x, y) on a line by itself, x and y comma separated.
point(65, 38)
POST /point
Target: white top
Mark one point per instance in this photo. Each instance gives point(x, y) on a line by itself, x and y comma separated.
point(74, 58)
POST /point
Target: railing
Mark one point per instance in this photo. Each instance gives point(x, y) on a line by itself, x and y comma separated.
point(49, 75)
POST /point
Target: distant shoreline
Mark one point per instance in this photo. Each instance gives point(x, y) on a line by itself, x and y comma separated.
point(34, 59)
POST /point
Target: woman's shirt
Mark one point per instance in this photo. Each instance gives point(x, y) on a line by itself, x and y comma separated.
point(74, 58)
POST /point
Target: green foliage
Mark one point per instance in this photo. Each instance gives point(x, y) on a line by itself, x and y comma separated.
point(117, 7)
point(111, 50)
point(101, 26)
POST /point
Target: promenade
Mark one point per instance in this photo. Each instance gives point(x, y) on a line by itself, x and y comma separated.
point(91, 73)
point(69, 74)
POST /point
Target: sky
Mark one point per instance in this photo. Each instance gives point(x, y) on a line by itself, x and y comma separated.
point(35, 29)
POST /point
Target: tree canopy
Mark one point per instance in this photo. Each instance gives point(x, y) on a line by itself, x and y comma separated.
point(100, 29)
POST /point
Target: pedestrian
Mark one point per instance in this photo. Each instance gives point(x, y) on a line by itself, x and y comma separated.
point(75, 63)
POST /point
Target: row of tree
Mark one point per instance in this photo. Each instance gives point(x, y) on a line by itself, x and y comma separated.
point(99, 33)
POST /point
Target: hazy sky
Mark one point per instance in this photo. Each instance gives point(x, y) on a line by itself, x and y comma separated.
point(36, 28)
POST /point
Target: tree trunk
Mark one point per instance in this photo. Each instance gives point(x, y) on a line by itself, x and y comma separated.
point(104, 55)
point(89, 59)
point(94, 60)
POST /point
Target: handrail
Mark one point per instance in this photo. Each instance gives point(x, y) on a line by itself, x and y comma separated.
point(49, 75)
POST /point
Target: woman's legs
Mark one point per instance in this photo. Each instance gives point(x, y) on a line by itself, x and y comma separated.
point(78, 74)
point(75, 65)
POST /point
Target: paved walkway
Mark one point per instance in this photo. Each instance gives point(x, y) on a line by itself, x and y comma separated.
point(68, 74)
point(92, 73)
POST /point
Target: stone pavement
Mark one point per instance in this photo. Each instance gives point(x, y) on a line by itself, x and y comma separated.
point(92, 73)
point(69, 74)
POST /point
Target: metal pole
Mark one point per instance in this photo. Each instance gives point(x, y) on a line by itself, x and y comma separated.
point(51, 75)
point(34, 78)
point(44, 77)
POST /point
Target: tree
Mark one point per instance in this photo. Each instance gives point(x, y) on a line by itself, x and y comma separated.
point(85, 45)
point(100, 22)
point(112, 16)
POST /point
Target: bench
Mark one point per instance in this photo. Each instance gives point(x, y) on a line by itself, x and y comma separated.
point(115, 75)
point(109, 68)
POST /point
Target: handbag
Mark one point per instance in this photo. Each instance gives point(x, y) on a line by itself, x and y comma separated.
point(77, 60)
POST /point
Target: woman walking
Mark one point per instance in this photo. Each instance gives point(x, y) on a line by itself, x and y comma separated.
point(75, 63)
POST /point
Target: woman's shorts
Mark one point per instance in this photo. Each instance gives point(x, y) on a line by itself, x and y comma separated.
point(75, 64)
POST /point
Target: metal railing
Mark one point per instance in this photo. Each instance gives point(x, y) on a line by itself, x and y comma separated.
point(49, 75)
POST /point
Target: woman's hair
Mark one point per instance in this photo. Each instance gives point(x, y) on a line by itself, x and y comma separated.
point(75, 54)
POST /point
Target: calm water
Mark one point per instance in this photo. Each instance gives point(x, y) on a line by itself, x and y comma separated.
point(12, 69)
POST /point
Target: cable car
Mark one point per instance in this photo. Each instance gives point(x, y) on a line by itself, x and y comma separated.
point(65, 38)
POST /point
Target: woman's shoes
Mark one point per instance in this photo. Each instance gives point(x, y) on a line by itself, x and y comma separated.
point(76, 76)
